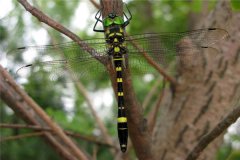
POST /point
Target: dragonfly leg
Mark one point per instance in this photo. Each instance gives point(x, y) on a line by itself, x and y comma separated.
point(98, 20)
point(128, 18)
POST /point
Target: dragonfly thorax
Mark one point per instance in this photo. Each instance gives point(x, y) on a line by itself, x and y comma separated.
point(114, 34)
point(115, 39)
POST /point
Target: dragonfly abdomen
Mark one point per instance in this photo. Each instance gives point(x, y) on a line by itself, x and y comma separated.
point(122, 119)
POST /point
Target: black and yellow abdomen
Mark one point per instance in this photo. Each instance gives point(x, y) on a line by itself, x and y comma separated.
point(122, 119)
point(114, 34)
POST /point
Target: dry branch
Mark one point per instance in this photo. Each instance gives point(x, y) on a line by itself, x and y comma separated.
point(72, 134)
point(154, 64)
point(100, 123)
point(152, 116)
point(21, 136)
point(29, 111)
point(95, 4)
point(151, 93)
point(50, 22)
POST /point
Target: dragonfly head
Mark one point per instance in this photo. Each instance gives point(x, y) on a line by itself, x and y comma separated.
point(113, 19)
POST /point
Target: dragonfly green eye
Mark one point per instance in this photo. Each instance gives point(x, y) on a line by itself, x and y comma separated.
point(118, 20)
point(107, 22)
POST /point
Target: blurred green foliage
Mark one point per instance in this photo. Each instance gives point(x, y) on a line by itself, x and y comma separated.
point(148, 16)
point(235, 5)
point(226, 152)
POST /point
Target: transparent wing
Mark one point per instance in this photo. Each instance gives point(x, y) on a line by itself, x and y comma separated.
point(67, 60)
point(81, 60)
point(167, 48)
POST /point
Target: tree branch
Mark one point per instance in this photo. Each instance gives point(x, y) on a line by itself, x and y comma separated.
point(214, 133)
point(96, 117)
point(154, 64)
point(26, 108)
point(50, 22)
point(26, 135)
point(138, 130)
point(152, 116)
point(151, 93)
point(95, 4)
point(72, 134)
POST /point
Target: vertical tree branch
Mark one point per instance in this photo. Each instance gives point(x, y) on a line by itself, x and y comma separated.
point(137, 125)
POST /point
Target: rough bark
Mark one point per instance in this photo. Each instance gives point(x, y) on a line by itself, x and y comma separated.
point(206, 94)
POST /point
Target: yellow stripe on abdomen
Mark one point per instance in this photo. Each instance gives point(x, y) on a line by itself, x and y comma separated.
point(120, 93)
point(117, 59)
point(119, 80)
point(118, 68)
point(122, 119)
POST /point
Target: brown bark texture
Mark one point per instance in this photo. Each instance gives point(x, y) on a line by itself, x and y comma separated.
point(205, 94)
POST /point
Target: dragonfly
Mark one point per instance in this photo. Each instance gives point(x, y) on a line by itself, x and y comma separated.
point(87, 58)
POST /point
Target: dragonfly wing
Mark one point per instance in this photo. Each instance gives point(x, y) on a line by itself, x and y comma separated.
point(67, 59)
point(165, 49)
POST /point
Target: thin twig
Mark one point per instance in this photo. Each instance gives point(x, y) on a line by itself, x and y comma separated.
point(72, 134)
point(154, 64)
point(95, 151)
point(96, 117)
point(50, 22)
point(151, 93)
point(152, 117)
point(214, 133)
point(95, 4)
point(21, 136)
